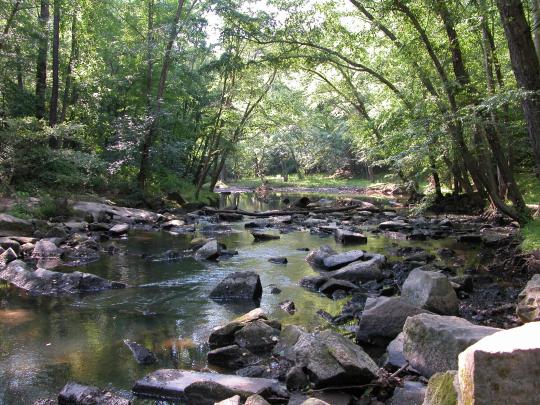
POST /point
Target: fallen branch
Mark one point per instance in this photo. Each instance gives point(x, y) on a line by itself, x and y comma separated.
point(276, 213)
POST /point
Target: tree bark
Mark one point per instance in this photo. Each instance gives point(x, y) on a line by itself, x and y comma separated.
point(535, 11)
point(526, 67)
point(53, 111)
point(73, 57)
point(41, 68)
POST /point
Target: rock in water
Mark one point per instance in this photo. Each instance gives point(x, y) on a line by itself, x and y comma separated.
point(239, 285)
point(316, 257)
point(261, 236)
point(77, 394)
point(361, 271)
point(119, 229)
point(383, 319)
point(209, 251)
point(348, 237)
point(141, 354)
point(432, 342)
point(412, 393)
point(430, 290)
point(278, 260)
point(257, 337)
point(528, 308)
point(502, 368)
point(177, 384)
point(334, 262)
point(224, 335)
point(232, 357)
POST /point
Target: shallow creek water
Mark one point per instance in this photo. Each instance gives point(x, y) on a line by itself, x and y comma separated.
point(46, 342)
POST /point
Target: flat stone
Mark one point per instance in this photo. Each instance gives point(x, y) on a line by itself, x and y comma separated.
point(316, 257)
point(432, 342)
point(119, 229)
point(502, 368)
point(261, 236)
point(430, 290)
point(394, 226)
point(10, 225)
point(232, 357)
point(360, 271)
point(333, 285)
point(339, 260)
point(77, 394)
point(239, 285)
point(171, 384)
point(348, 237)
point(528, 307)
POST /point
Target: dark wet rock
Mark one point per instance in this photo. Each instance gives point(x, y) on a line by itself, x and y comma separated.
point(275, 290)
point(411, 393)
point(328, 358)
point(140, 353)
point(528, 307)
point(224, 335)
point(446, 253)
point(260, 223)
point(349, 237)
point(239, 285)
point(7, 243)
point(432, 342)
point(420, 257)
point(302, 202)
point(10, 225)
point(257, 336)
point(167, 256)
point(197, 243)
point(278, 260)
point(432, 291)
point(462, 283)
point(417, 234)
point(46, 249)
point(383, 319)
point(7, 257)
point(183, 385)
point(339, 260)
point(312, 283)
point(303, 249)
point(46, 282)
point(77, 394)
point(339, 294)
point(209, 251)
point(296, 379)
point(394, 226)
point(232, 357)
point(252, 371)
point(361, 271)
point(502, 368)
point(470, 238)
point(209, 228)
point(262, 236)
point(316, 257)
point(231, 217)
point(227, 254)
point(288, 306)
point(333, 285)
point(119, 229)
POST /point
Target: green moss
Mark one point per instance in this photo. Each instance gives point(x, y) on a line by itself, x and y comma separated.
point(440, 389)
point(531, 236)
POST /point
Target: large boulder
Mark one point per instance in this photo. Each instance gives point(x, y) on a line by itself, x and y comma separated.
point(430, 290)
point(257, 336)
point(232, 357)
point(7, 257)
point(209, 251)
point(502, 368)
point(7, 243)
point(361, 271)
point(239, 285)
point(198, 388)
point(119, 229)
point(383, 319)
point(432, 342)
point(528, 308)
point(77, 394)
point(224, 335)
point(336, 261)
point(328, 358)
point(10, 225)
point(45, 249)
point(52, 283)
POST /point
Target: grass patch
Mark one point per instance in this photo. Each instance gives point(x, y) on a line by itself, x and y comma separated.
point(531, 236)
point(530, 187)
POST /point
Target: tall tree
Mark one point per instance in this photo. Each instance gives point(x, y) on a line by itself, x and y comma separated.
point(43, 49)
point(73, 56)
point(53, 109)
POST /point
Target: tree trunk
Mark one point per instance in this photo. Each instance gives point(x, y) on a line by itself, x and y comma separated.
point(525, 65)
point(41, 68)
point(535, 11)
point(74, 55)
point(53, 111)
point(20, 79)
point(9, 23)
point(150, 134)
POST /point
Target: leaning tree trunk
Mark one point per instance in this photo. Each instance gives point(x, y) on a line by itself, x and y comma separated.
point(526, 67)
point(41, 68)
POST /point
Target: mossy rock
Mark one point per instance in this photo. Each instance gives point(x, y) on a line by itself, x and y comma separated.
point(440, 389)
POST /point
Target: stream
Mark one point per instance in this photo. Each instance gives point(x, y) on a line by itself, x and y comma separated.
point(46, 342)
